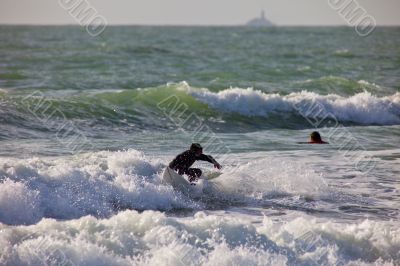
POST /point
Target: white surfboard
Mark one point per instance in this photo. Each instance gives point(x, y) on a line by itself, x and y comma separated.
point(208, 175)
point(193, 189)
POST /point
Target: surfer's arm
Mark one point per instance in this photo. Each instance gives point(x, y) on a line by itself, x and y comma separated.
point(210, 159)
point(207, 158)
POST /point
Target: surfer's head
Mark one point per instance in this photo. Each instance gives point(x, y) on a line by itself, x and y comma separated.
point(315, 137)
point(196, 147)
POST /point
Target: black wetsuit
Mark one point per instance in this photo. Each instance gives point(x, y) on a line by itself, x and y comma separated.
point(183, 161)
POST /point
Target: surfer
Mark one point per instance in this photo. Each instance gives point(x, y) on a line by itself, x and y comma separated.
point(315, 138)
point(186, 159)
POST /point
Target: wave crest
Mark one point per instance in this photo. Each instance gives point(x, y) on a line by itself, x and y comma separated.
point(362, 108)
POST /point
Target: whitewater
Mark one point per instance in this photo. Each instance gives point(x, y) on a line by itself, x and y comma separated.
point(107, 208)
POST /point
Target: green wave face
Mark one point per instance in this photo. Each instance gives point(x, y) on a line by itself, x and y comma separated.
point(167, 107)
point(128, 110)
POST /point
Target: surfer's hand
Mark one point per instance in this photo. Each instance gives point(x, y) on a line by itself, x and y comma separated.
point(218, 166)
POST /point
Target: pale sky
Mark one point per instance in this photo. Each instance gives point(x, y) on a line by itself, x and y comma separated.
point(196, 12)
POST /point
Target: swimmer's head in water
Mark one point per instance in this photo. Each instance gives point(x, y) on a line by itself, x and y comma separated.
point(315, 137)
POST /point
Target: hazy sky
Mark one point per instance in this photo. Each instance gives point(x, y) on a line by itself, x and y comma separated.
point(198, 12)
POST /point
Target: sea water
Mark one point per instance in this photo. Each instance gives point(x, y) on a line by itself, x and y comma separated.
point(87, 126)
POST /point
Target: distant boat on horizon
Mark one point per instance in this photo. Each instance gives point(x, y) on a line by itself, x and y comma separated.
point(262, 21)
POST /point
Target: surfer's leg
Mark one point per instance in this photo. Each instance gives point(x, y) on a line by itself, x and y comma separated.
point(193, 174)
point(181, 171)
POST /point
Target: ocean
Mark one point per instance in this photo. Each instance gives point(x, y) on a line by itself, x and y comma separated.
point(88, 124)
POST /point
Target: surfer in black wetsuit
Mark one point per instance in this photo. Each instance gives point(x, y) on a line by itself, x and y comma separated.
point(315, 138)
point(183, 161)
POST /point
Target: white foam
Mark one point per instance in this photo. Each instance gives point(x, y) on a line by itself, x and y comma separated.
point(363, 108)
point(95, 183)
point(271, 176)
point(152, 238)
point(18, 204)
point(102, 183)
point(98, 183)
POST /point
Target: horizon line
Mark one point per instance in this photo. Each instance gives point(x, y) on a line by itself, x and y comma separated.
point(193, 25)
